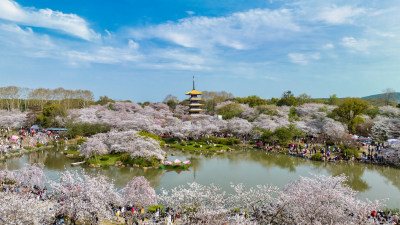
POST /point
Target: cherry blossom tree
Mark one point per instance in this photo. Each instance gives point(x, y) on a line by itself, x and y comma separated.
point(385, 127)
point(39, 137)
point(84, 196)
point(12, 119)
point(196, 204)
point(330, 201)
point(248, 112)
point(308, 200)
point(256, 201)
point(389, 111)
point(30, 176)
point(139, 191)
point(272, 122)
point(123, 142)
point(86, 115)
point(128, 107)
point(392, 154)
point(334, 129)
point(7, 176)
point(313, 109)
point(310, 126)
point(24, 208)
point(239, 126)
point(95, 146)
point(180, 110)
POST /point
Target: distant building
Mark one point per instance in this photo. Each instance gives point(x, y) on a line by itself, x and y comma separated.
point(195, 102)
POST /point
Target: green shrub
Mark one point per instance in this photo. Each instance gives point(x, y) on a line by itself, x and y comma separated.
point(105, 158)
point(208, 147)
point(219, 146)
point(316, 157)
point(169, 140)
point(293, 116)
point(183, 143)
point(197, 146)
point(61, 142)
point(110, 106)
point(330, 143)
point(73, 147)
point(80, 141)
point(144, 162)
point(350, 152)
point(230, 110)
point(348, 146)
point(222, 141)
point(87, 129)
point(233, 141)
point(150, 135)
point(154, 208)
point(39, 145)
point(125, 158)
point(393, 211)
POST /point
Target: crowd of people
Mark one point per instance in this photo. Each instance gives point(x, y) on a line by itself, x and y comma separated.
point(367, 153)
point(16, 140)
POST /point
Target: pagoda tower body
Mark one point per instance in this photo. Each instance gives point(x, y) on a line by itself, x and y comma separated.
point(195, 102)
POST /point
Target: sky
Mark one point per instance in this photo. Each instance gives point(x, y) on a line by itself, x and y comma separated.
point(143, 50)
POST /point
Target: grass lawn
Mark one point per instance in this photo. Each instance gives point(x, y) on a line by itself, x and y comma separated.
point(72, 151)
point(105, 160)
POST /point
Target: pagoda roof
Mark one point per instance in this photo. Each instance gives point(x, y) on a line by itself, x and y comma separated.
point(194, 92)
point(190, 109)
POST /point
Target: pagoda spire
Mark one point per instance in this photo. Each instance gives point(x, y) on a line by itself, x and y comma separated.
point(193, 84)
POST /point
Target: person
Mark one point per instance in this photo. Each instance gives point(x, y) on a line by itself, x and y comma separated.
point(117, 213)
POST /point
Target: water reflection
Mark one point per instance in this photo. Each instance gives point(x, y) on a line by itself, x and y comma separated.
point(390, 174)
point(354, 174)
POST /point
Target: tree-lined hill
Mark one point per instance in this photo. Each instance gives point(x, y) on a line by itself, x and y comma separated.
point(396, 96)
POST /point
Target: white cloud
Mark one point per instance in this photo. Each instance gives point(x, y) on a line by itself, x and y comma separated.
point(353, 44)
point(68, 23)
point(25, 40)
point(303, 59)
point(17, 40)
point(190, 13)
point(270, 78)
point(106, 54)
point(339, 14)
point(328, 46)
point(241, 30)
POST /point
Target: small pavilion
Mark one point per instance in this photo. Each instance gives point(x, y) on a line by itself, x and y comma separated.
point(195, 105)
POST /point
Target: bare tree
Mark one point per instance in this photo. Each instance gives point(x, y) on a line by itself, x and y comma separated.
point(388, 96)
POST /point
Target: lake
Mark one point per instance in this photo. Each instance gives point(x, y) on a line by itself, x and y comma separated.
point(251, 167)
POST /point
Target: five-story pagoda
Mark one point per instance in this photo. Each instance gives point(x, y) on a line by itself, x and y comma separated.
point(194, 102)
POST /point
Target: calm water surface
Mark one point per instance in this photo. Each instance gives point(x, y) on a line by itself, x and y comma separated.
point(249, 167)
